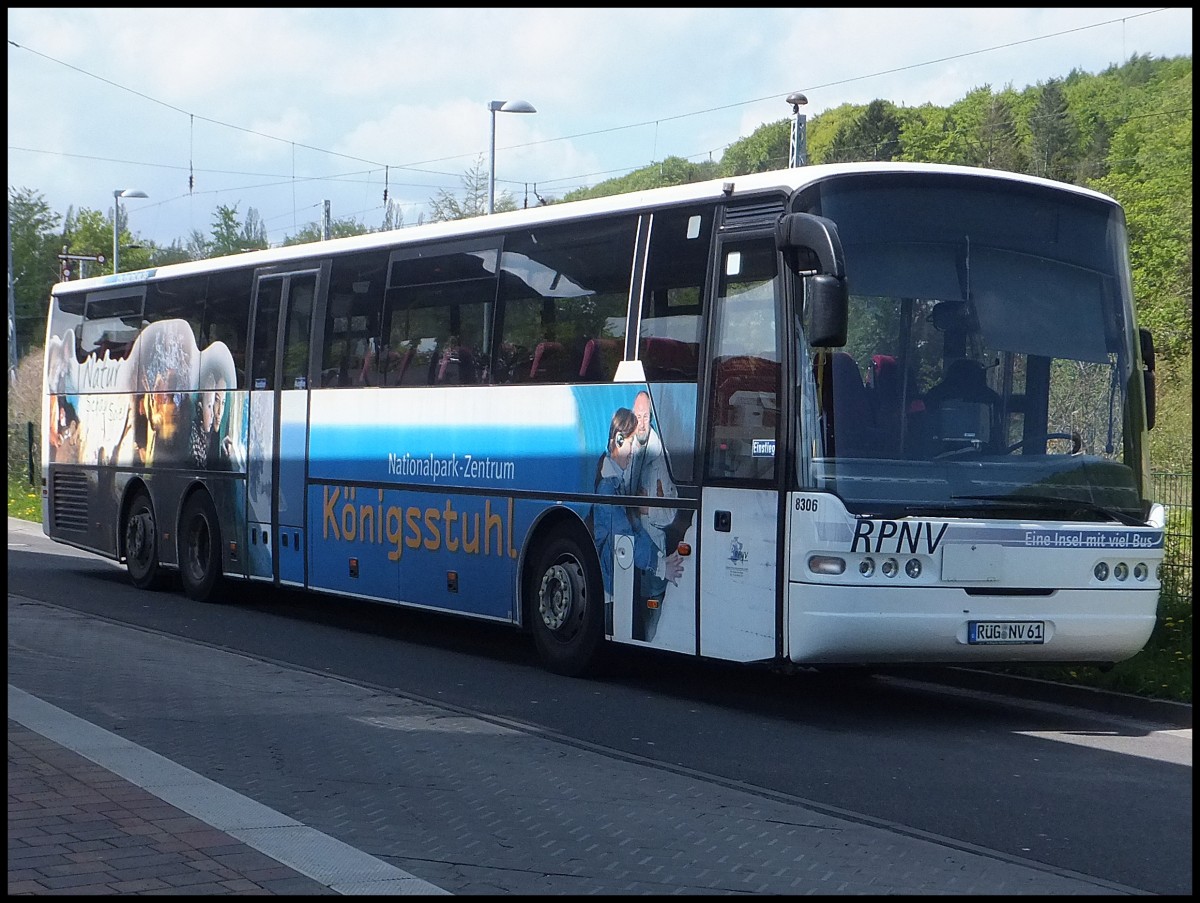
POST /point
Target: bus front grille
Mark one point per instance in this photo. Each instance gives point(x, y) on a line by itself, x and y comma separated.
point(69, 501)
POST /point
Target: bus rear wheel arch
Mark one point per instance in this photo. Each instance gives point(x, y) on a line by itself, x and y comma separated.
point(564, 600)
point(139, 531)
point(199, 547)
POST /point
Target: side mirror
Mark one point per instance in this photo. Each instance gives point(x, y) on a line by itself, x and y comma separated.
point(1151, 383)
point(810, 243)
point(826, 311)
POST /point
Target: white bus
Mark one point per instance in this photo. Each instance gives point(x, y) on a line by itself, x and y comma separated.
point(835, 414)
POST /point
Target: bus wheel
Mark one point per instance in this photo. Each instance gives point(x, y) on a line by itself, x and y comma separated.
point(199, 548)
point(566, 605)
point(141, 545)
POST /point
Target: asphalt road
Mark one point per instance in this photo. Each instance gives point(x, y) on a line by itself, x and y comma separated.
point(1088, 792)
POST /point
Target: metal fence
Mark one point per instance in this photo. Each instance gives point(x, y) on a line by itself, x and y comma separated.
point(1174, 490)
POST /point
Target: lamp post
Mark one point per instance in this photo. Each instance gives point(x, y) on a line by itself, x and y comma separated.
point(119, 193)
point(798, 149)
point(502, 106)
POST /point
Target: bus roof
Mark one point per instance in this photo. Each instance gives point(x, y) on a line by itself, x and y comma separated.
point(786, 180)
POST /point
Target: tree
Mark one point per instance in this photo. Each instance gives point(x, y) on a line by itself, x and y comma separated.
point(989, 131)
point(446, 205)
point(341, 228)
point(229, 235)
point(393, 217)
point(766, 149)
point(34, 243)
point(873, 135)
point(1053, 138)
point(1150, 173)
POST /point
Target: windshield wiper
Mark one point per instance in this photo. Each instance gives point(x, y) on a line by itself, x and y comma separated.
point(1050, 501)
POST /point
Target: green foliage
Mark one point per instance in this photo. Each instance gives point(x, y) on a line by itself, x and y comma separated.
point(765, 150)
point(34, 248)
point(872, 135)
point(1171, 438)
point(229, 234)
point(1053, 138)
point(340, 228)
point(670, 171)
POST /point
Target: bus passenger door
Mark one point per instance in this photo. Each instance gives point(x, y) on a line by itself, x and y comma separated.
point(280, 337)
point(739, 548)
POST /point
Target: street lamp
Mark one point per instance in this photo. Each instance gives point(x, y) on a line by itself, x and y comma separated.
point(798, 150)
point(503, 106)
point(119, 193)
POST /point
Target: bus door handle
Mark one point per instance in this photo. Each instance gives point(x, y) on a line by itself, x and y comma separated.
point(722, 521)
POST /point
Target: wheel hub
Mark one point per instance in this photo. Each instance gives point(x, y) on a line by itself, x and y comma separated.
point(555, 597)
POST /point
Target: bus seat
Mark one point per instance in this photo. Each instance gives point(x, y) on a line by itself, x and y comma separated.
point(853, 417)
point(670, 359)
point(547, 362)
point(396, 366)
point(962, 409)
point(600, 360)
point(456, 366)
point(887, 398)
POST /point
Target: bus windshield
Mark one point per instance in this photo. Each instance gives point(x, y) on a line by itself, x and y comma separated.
point(990, 366)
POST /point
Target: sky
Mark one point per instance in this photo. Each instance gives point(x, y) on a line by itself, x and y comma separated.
point(282, 110)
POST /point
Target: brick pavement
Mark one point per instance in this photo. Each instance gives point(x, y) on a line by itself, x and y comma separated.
point(75, 827)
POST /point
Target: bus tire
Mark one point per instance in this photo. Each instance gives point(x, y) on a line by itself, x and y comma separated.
point(566, 603)
point(199, 548)
point(141, 545)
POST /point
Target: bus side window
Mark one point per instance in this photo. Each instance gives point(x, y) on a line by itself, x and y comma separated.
point(438, 313)
point(672, 299)
point(227, 316)
point(178, 299)
point(564, 302)
point(350, 355)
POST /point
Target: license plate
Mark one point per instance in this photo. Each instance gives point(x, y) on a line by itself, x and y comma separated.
point(983, 633)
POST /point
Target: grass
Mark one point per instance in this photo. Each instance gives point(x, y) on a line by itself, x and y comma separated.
point(24, 501)
point(1162, 670)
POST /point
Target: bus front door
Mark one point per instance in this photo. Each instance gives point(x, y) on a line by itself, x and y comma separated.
point(739, 547)
point(280, 335)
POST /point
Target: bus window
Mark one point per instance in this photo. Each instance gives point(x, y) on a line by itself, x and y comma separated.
point(356, 285)
point(110, 324)
point(565, 296)
point(226, 315)
point(437, 314)
point(178, 299)
point(266, 328)
point(669, 327)
point(297, 331)
point(744, 404)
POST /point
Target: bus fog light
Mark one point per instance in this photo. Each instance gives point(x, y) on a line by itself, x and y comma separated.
point(866, 567)
point(1101, 571)
point(1121, 571)
point(890, 568)
point(913, 568)
point(827, 564)
point(1140, 571)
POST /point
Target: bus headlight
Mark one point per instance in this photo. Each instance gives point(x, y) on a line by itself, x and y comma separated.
point(912, 567)
point(1121, 571)
point(1140, 571)
point(1101, 570)
point(866, 567)
point(890, 568)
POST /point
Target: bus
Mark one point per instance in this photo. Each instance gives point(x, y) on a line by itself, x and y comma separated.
point(843, 414)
